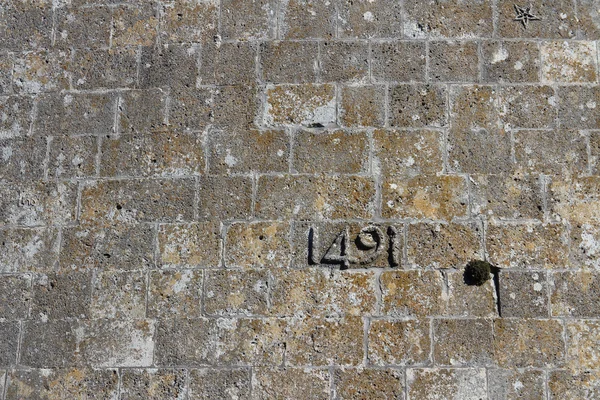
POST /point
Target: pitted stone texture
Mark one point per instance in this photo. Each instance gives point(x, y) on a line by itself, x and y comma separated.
point(72, 157)
point(463, 342)
point(104, 69)
point(569, 385)
point(411, 293)
point(289, 62)
point(15, 296)
point(117, 294)
point(523, 294)
point(194, 245)
point(448, 19)
point(63, 383)
point(305, 105)
point(524, 343)
point(369, 19)
point(453, 61)
point(575, 294)
point(506, 384)
point(304, 19)
point(362, 106)
point(152, 384)
point(369, 383)
point(455, 384)
point(569, 62)
point(257, 244)
point(398, 61)
point(175, 292)
point(236, 292)
point(559, 20)
point(284, 383)
point(468, 300)
point(28, 250)
point(344, 61)
point(42, 71)
point(401, 343)
point(582, 345)
point(507, 61)
point(210, 383)
point(414, 106)
point(248, 20)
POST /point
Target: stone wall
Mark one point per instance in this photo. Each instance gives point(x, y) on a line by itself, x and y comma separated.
point(268, 199)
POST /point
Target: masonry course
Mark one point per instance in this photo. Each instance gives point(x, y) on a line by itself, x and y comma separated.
point(271, 199)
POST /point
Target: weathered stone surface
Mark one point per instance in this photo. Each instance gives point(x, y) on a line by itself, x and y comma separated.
point(582, 345)
point(565, 384)
point(16, 116)
point(157, 62)
point(175, 292)
point(104, 69)
point(72, 157)
point(575, 294)
point(468, 300)
point(257, 244)
point(28, 250)
point(141, 111)
point(306, 105)
point(119, 294)
point(224, 198)
point(190, 245)
point(453, 61)
point(344, 61)
point(578, 106)
point(414, 106)
point(236, 292)
point(134, 26)
point(184, 342)
point(289, 62)
point(559, 20)
point(569, 62)
point(527, 106)
point(411, 293)
point(10, 341)
point(23, 159)
point(219, 384)
point(152, 384)
point(304, 19)
point(42, 71)
point(435, 383)
point(189, 21)
point(523, 294)
point(362, 106)
point(507, 61)
point(528, 343)
point(60, 296)
point(399, 342)
point(398, 61)
point(507, 384)
point(285, 383)
point(368, 383)
point(463, 342)
point(63, 383)
point(366, 19)
point(15, 296)
point(83, 26)
point(247, 21)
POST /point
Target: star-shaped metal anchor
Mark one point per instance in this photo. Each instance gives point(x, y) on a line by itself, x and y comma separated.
point(524, 15)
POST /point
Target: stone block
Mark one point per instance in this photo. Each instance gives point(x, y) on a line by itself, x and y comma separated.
point(248, 21)
point(398, 61)
point(523, 294)
point(285, 383)
point(75, 114)
point(224, 198)
point(306, 19)
point(228, 64)
point(190, 109)
point(231, 292)
point(448, 19)
point(289, 62)
point(558, 20)
point(585, 239)
point(208, 383)
point(236, 107)
point(95, 69)
point(463, 342)
point(362, 106)
point(436, 197)
point(83, 27)
point(141, 111)
point(594, 158)
point(368, 383)
point(117, 343)
point(175, 293)
point(257, 244)
point(194, 245)
point(399, 343)
point(411, 293)
point(248, 150)
point(28, 250)
point(552, 152)
point(22, 159)
point(61, 296)
point(38, 203)
point(582, 345)
point(49, 344)
point(155, 153)
point(575, 294)
point(525, 343)
point(443, 245)
point(314, 197)
point(130, 201)
point(504, 61)
point(184, 341)
point(569, 62)
point(15, 296)
point(122, 247)
point(7, 63)
point(577, 107)
point(509, 384)
point(42, 71)
point(134, 26)
point(72, 157)
point(152, 384)
point(468, 300)
point(157, 64)
point(507, 196)
point(575, 199)
point(322, 342)
point(418, 105)
point(344, 61)
point(26, 25)
point(189, 20)
point(245, 341)
point(16, 116)
point(453, 61)
point(528, 106)
point(527, 246)
point(369, 19)
point(446, 383)
point(119, 295)
point(573, 385)
point(308, 105)
point(336, 151)
point(9, 331)
point(63, 383)
point(587, 15)
point(321, 293)
point(408, 153)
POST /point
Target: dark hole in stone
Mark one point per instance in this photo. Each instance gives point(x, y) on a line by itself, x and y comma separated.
point(316, 125)
point(477, 272)
point(119, 206)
